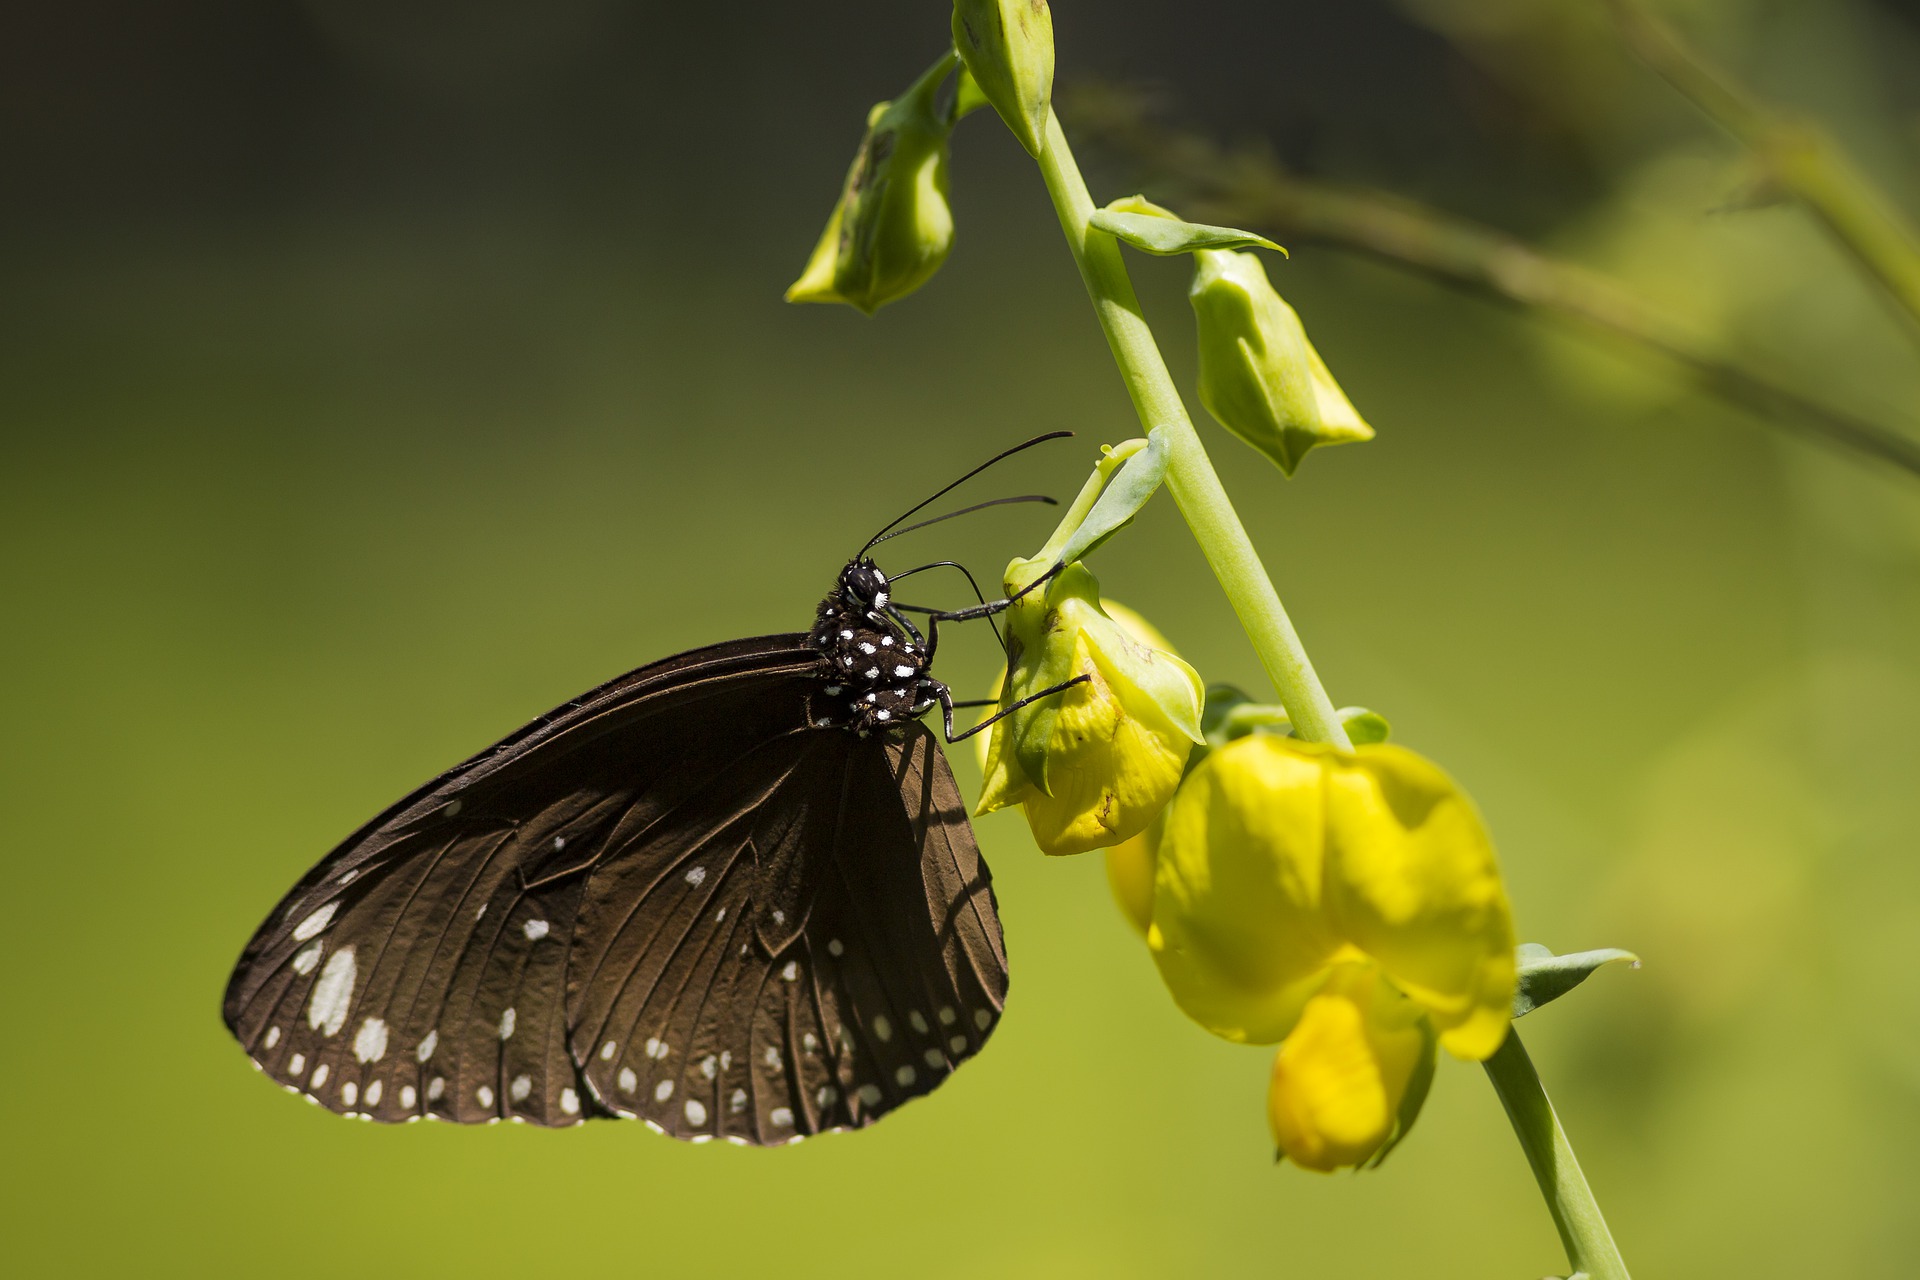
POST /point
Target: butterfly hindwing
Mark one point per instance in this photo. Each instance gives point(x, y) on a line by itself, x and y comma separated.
point(770, 970)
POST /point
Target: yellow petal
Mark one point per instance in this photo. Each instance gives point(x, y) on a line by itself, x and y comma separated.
point(1130, 869)
point(1341, 1074)
point(1111, 764)
point(1411, 880)
point(1238, 928)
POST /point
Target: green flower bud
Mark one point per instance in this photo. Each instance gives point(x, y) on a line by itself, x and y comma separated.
point(1090, 766)
point(893, 227)
point(1008, 47)
point(1259, 376)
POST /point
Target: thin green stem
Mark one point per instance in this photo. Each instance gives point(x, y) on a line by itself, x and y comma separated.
point(1798, 155)
point(1190, 475)
point(1583, 1229)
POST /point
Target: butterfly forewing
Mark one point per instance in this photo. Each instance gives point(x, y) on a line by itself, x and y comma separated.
point(677, 897)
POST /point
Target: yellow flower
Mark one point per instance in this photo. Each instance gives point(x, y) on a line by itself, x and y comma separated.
point(1347, 903)
point(1090, 766)
point(1259, 375)
point(893, 227)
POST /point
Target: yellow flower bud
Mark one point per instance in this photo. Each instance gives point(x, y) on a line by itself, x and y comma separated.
point(1344, 1078)
point(1284, 859)
point(1259, 375)
point(1007, 46)
point(1090, 766)
point(893, 226)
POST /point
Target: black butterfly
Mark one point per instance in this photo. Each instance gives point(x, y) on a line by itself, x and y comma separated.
point(733, 894)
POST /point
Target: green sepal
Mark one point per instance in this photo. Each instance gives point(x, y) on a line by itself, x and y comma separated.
point(1545, 977)
point(1152, 229)
point(1231, 713)
point(1137, 479)
point(967, 96)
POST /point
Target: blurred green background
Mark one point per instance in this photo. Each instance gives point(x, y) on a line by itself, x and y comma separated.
point(376, 374)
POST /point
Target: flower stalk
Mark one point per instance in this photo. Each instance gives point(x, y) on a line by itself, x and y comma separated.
point(1209, 513)
point(1191, 478)
point(1576, 1214)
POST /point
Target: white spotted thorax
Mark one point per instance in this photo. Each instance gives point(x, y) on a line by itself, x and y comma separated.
point(877, 664)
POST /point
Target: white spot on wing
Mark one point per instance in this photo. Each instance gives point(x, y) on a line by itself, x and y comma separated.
point(870, 1095)
point(726, 1059)
point(696, 1112)
point(485, 1095)
point(791, 971)
point(709, 1066)
point(506, 1024)
point(982, 1019)
point(374, 1091)
point(319, 1075)
point(657, 1048)
point(569, 1102)
point(427, 1046)
point(332, 994)
point(436, 1088)
point(663, 1091)
point(957, 1045)
point(298, 1064)
point(919, 1023)
point(315, 923)
point(696, 875)
point(628, 1080)
point(520, 1088)
point(306, 957)
point(834, 948)
point(408, 1097)
point(903, 671)
point(810, 1042)
point(865, 647)
point(947, 1016)
point(934, 1059)
point(780, 1118)
point(738, 1102)
point(883, 1028)
point(371, 1044)
point(772, 1058)
point(906, 1076)
point(349, 1093)
point(273, 1036)
point(827, 1096)
point(606, 1051)
point(535, 929)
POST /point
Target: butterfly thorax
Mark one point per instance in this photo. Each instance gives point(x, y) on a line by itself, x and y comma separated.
point(876, 665)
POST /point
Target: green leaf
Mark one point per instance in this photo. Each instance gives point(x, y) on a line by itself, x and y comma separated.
point(1124, 495)
point(1545, 976)
point(1165, 236)
point(1363, 726)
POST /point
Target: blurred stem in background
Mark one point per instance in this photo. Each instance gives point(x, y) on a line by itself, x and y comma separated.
point(1252, 189)
point(1216, 526)
point(1190, 475)
point(1583, 1229)
point(1796, 155)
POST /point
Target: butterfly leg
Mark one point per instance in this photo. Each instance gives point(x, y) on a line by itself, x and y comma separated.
point(944, 696)
point(985, 610)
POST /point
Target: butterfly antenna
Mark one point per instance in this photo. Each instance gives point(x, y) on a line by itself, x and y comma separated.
point(978, 506)
point(998, 457)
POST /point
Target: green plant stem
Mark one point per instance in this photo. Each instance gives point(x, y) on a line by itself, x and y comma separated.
point(1583, 1229)
point(1190, 475)
point(1798, 155)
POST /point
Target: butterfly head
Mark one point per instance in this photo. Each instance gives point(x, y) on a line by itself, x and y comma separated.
point(863, 585)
